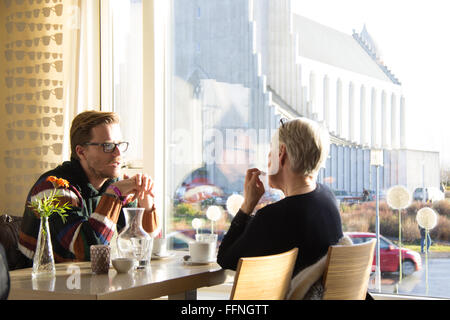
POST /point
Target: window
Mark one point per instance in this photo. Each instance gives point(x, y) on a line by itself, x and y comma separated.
point(233, 69)
point(219, 118)
point(384, 244)
point(122, 70)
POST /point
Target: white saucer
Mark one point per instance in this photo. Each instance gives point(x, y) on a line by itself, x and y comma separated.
point(165, 256)
point(187, 260)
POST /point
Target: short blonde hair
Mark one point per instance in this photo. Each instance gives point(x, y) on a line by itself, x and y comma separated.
point(307, 145)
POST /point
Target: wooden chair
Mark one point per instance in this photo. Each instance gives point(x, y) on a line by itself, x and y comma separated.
point(347, 271)
point(264, 278)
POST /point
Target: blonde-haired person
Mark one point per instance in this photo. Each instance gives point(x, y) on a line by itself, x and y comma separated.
point(307, 218)
point(97, 192)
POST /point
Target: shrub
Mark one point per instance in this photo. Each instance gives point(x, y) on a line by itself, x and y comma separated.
point(411, 211)
point(410, 231)
point(355, 222)
point(361, 217)
point(389, 225)
point(186, 209)
point(442, 207)
point(442, 230)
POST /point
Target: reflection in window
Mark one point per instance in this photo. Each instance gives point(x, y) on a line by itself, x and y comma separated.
point(238, 67)
point(221, 115)
point(235, 68)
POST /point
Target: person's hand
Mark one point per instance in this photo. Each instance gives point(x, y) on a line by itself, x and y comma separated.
point(147, 198)
point(139, 185)
point(253, 190)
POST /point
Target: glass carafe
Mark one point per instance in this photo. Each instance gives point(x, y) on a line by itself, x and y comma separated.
point(133, 242)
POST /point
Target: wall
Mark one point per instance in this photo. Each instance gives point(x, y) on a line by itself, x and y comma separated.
point(32, 94)
point(421, 169)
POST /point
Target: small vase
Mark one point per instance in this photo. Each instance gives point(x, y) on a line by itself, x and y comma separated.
point(133, 242)
point(43, 260)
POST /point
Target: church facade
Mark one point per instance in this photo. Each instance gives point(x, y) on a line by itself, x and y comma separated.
point(241, 66)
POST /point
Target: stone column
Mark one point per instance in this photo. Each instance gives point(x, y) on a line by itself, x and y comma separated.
point(326, 101)
point(351, 112)
point(373, 120)
point(402, 123)
point(312, 94)
point(363, 117)
point(304, 108)
point(339, 108)
point(394, 120)
point(384, 124)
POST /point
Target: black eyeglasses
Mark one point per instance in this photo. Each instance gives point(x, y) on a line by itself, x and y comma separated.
point(109, 147)
point(283, 121)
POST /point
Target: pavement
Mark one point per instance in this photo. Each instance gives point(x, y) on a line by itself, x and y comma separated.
point(436, 255)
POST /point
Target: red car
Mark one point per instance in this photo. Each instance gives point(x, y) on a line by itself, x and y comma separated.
point(389, 254)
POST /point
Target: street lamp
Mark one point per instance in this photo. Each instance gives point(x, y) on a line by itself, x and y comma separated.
point(376, 159)
point(213, 213)
point(234, 203)
point(398, 197)
point(427, 219)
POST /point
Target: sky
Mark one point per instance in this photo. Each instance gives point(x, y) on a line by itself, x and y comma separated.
point(412, 36)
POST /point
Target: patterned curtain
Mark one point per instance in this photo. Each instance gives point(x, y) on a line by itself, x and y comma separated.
point(39, 43)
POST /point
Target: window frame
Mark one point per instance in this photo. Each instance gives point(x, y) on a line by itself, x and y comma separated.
point(155, 30)
point(155, 23)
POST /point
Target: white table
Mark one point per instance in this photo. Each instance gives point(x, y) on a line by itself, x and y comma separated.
point(166, 277)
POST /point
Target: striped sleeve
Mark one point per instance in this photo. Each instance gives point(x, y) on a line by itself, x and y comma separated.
point(150, 222)
point(71, 240)
point(103, 220)
point(98, 229)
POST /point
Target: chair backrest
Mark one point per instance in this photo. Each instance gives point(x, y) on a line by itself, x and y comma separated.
point(264, 278)
point(347, 271)
point(4, 275)
point(9, 238)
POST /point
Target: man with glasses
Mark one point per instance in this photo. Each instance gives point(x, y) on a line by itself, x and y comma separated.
point(95, 193)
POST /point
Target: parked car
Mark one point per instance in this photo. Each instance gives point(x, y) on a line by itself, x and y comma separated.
point(373, 194)
point(425, 194)
point(177, 240)
point(345, 196)
point(389, 254)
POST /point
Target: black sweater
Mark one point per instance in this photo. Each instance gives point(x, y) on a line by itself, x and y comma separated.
point(311, 222)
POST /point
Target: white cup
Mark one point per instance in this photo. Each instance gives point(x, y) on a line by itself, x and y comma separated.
point(206, 237)
point(202, 251)
point(159, 246)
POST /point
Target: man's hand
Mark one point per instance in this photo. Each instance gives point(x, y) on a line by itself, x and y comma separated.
point(140, 186)
point(253, 190)
point(146, 198)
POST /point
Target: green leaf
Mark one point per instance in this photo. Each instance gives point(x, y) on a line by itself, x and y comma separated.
point(48, 205)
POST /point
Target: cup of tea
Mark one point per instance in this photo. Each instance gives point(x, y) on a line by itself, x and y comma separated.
point(202, 251)
point(159, 247)
point(206, 237)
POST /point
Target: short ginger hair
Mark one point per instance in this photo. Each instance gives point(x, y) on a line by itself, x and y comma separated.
point(82, 124)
